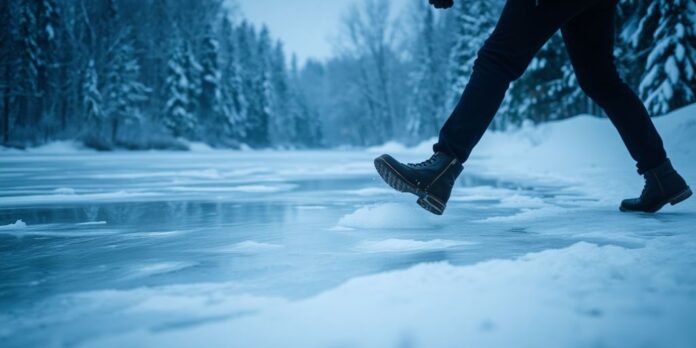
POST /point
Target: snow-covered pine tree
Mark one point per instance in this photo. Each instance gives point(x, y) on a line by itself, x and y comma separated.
point(305, 120)
point(630, 55)
point(428, 79)
point(232, 83)
point(193, 70)
point(123, 90)
point(91, 97)
point(177, 115)
point(213, 109)
point(545, 91)
point(280, 133)
point(47, 26)
point(475, 20)
point(260, 93)
point(669, 81)
point(27, 63)
point(7, 57)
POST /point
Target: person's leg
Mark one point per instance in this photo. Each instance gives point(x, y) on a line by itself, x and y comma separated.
point(522, 30)
point(589, 38)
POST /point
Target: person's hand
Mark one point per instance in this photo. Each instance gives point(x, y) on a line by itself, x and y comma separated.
point(442, 3)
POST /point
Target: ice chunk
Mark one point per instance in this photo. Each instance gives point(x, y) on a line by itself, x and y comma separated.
point(19, 224)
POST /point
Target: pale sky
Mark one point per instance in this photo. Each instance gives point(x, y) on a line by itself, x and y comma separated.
point(306, 27)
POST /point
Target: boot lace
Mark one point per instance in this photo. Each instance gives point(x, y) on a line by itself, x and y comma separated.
point(427, 162)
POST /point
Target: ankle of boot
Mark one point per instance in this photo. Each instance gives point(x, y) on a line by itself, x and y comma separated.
point(663, 169)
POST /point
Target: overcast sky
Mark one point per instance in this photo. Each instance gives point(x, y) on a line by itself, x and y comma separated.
point(305, 26)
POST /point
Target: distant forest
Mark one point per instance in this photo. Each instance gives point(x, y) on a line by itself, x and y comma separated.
point(155, 74)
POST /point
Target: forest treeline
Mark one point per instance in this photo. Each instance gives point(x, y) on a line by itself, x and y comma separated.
point(147, 74)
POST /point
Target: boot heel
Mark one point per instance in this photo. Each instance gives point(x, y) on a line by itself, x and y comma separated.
point(431, 204)
point(681, 197)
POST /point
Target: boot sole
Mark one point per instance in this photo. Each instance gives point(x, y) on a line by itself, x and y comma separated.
point(684, 195)
point(392, 177)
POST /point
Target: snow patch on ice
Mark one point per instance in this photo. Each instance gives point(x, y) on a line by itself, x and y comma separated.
point(312, 207)
point(528, 214)
point(388, 216)
point(522, 201)
point(91, 223)
point(241, 188)
point(158, 269)
point(64, 191)
point(370, 191)
point(17, 225)
point(72, 198)
point(406, 245)
point(249, 246)
point(263, 188)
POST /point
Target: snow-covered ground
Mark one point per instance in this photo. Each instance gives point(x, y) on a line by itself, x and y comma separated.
point(311, 249)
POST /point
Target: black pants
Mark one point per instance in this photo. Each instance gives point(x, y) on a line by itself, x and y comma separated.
point(523, 28)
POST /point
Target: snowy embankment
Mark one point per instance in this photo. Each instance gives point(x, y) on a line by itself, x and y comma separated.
point(627, 280)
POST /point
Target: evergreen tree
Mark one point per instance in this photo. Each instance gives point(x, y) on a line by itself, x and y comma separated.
point(305, 120)
point(260, 93)
point(232, 84)
point(47, 26)
point(7, 56)
point(177, 116)
point(631, 51)
point(124, 91)
point(27, 63)
point(194, 71)
point(280, 95)
point(212, 107)
point(427, 81)
point(475, 20)
point(92, 100)
point(546, 91)
point(669, 81)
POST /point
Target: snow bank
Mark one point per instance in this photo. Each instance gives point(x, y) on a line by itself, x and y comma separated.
point(583, 152)
point(60, 147)
point(389, 216)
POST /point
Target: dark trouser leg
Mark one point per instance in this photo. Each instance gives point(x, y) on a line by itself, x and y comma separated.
point(589, 38)
point(522, 30)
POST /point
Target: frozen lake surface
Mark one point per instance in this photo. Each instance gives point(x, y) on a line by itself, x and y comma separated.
point(287, 225)
point(311, 249)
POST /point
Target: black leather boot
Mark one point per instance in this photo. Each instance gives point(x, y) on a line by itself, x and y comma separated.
point(662, 185)
point(432, 180)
